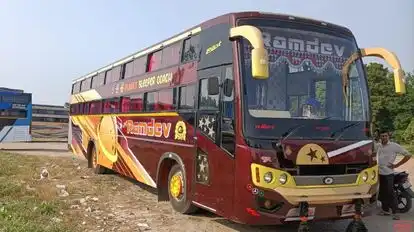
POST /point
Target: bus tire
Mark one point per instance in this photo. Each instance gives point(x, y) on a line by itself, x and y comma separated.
point(93, 162)
point(177, 191)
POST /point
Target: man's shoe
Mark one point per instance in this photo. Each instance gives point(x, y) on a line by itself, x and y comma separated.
point(395, 217)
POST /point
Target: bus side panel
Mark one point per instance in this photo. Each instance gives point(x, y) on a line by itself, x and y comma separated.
point(148, 151)
point(76, 136)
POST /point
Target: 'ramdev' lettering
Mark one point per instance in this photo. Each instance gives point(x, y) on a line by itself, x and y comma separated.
point(155, 80)
point(150, 129)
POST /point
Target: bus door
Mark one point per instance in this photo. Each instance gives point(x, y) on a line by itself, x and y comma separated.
point(214, 159)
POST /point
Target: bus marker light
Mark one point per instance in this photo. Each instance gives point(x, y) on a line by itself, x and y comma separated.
point(257, 175)
point(252, 212)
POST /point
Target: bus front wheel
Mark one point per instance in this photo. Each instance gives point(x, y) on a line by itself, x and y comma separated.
point(93, 162)
point(177, 191)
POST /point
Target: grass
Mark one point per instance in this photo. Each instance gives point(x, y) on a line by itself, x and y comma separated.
point(27, 204)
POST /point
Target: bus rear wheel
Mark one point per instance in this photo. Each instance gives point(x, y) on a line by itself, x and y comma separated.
point(177, 191)
point(93, 162)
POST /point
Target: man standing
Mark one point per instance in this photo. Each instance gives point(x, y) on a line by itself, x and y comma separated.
point(387, 153)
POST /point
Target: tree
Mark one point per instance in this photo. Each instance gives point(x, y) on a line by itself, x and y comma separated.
point(389, 110)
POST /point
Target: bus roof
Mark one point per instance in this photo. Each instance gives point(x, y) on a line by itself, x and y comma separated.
point(196, 29)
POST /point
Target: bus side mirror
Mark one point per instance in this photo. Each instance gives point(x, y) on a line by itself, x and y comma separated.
point(260, 65)
point(213, 87)
point(228, 87)
point(390, 57)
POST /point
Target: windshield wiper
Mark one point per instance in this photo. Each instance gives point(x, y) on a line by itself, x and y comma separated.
point(343, 129)
point(289, 132)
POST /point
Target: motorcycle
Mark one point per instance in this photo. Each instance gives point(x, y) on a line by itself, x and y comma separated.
point(402, 187)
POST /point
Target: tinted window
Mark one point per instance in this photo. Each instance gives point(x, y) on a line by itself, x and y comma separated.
point(86, 84)
point(151, 99)
point(166, 100)
point(16, 99)
point(100, 79)
point(171, 55)
point(111, 105)
point(139, 65)
point(129, 69)
point(187, 96)
point(133, 103)
point(76, 87)
point(191, 49)
point(14, 113)
point(116, 73)
point(136, 103)
point(94, 81)
point(95, 107)
point(108, 76)
point(86, 108)
point(207, 101)
point(154, 61)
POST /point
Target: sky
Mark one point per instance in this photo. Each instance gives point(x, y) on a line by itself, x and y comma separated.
point(45, 44)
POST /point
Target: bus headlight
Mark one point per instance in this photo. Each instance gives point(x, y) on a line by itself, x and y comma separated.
point(283, 178)
point(374, 175)
point(365, 176)
point(268, 177)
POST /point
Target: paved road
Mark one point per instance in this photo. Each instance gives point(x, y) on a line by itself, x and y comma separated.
point(374, 223)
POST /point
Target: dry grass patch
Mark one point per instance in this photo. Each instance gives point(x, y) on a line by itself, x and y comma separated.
point(29, 203)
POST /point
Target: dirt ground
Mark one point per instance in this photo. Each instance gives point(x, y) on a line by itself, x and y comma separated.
point(82, 201)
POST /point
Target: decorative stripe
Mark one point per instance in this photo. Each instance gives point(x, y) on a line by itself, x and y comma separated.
point(160, 141)
point(203, 206)
point(348, 148)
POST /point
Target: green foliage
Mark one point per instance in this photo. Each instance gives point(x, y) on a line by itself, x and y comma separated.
point(388, 110)
point(408, 135)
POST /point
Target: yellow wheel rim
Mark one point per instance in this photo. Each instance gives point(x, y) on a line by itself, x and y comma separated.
point(176, 186)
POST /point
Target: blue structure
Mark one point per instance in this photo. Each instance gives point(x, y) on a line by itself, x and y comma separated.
point(15, 115)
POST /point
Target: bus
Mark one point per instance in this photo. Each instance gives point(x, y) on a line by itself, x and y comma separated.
point(15, 115)
point(261, 118)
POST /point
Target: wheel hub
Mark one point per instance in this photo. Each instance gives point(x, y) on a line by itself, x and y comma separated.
point(176, 186)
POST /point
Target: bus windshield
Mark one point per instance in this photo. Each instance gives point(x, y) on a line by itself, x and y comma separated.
point(305, 83)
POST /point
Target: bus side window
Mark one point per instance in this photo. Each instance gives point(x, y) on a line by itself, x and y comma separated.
point(191, 49)
point(96, 107)
point(166, 100)
point(206, 101)
point(227, 123)
point(151, 99)
point(186, 103)
point(187, 97)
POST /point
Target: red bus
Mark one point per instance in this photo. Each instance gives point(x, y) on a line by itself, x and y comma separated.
point(261, 118)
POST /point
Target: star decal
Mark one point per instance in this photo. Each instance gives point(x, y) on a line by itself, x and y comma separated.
point(323, 159)
point(207, 124)
point(202, 169)
point(312, 154)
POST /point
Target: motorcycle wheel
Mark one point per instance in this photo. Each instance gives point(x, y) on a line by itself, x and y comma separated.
point(404, 202)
